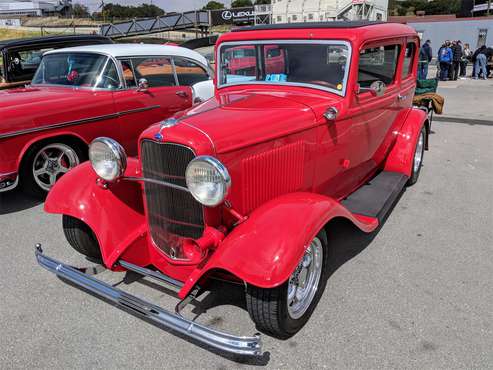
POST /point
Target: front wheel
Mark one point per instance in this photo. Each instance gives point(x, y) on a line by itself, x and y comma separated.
point(418, 157)
point(282, 311)
point(80, 236)
point(45, 163)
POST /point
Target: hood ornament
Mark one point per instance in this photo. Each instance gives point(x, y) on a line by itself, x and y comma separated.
point(169, 122)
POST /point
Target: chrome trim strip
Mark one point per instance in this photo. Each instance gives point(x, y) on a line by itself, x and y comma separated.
point(13, 186)
point(158, 182)
point(240, 345)
point(151, 273)
point(77, 122)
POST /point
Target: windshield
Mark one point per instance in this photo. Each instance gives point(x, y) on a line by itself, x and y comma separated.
point(78, 70)
point(323, 65)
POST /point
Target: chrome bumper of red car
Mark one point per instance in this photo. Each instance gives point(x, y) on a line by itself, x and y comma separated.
point(248, 346)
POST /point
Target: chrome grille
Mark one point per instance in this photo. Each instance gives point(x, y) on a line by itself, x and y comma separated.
point(171, 213)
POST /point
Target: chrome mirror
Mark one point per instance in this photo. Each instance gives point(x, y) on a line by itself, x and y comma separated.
point(143, 84)
point(377, 88)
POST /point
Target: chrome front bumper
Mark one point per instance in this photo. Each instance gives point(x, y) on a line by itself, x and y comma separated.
point(248, 346)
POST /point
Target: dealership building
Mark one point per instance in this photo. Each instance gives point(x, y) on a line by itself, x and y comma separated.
point(34, 8)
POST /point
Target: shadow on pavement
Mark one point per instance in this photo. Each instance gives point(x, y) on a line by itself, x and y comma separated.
point(16, 201)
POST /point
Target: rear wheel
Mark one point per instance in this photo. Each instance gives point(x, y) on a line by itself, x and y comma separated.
point(45, 163)
point(282, 311)
point(81, 237)
point(418, 157)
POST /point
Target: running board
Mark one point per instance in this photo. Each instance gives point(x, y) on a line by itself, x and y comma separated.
point(378, 196)
point(247, 346)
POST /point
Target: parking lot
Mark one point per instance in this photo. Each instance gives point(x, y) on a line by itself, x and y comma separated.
point(415, 294)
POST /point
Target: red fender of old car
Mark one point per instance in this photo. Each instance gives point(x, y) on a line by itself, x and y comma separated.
point(400, 158)
point(102, 210)
point(265, 249)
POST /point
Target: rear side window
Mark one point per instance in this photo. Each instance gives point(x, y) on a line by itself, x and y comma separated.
point(378, 64)
point(407, 66)
point(128, 73)
point(158, 71)
point(189, 72)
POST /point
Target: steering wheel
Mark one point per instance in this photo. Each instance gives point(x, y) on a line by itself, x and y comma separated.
point(324, 83)
point(107, 77)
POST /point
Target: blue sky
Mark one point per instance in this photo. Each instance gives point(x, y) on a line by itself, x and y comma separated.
point(167, 5)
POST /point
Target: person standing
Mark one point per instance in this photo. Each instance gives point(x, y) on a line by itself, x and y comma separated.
point(425, 56)
point(456, 57)
point(445, 60)
point(480, 64)
point(466, 56)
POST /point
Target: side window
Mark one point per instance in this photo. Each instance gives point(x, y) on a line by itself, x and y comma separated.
point(407, 66)
point(189, 72)
point(128, 73)
point(158, 71)
point(378, 63)
point(22, 64)
point(2, 72)
point(109, 78)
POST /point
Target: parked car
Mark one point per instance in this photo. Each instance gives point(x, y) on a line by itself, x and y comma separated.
point(20, 58)
point(78, 94)
point(246, 186)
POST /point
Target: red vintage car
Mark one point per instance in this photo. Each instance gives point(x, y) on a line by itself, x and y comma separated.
point(246, 186)
point(80, 93)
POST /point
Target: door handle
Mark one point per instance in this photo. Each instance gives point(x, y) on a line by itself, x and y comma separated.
point(401, 97)
point(183, 94)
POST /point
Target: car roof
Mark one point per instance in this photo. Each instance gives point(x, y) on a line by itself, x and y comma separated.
point(135, 50)
point(285, 26)
point(52, 39)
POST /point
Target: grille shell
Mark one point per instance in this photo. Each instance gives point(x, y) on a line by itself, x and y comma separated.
point(172, 214)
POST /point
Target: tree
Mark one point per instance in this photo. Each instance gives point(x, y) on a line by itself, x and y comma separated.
point(262, 2)
point(80, 11)
point(213, 5)
point(241, 3)
point(118, 11)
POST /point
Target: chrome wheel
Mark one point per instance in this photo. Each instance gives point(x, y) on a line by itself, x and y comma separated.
point(51, 162)
point(418, 154)
point(303, 283)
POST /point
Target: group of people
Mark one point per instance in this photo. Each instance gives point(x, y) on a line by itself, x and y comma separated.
point(452, 60)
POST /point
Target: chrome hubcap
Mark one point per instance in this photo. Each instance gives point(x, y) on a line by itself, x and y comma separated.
point(418, 154)
point(303, 283)
point(51, 163)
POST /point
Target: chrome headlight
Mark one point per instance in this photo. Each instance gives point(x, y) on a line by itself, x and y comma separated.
point(208, 180)
point(108, 158)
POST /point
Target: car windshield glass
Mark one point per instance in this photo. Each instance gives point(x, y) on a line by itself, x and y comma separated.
point(321, 65)
point(77, 69)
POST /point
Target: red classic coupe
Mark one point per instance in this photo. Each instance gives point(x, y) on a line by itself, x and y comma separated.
point(80, 93)
point(247, 185)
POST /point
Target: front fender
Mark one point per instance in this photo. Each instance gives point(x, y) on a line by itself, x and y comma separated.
point(115, 215)
point(265, 249)
point(400, 158)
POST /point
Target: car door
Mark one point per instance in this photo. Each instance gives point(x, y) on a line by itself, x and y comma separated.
point(140, 107)
point(378, 61)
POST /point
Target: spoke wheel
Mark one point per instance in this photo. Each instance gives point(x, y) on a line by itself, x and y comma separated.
point(282, 311)
point(303, 283)
point(51, 162)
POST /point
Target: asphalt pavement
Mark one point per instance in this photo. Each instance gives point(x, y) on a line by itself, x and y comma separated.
point(416, 294)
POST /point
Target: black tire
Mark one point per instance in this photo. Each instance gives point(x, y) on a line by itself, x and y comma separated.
point(416, 171)
point(27, 181)
point(81, 237)
point(268, 308)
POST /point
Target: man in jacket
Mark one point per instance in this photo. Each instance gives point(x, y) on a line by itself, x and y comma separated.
point(425, 56)
point(456, 57)
point(445, 59)
point(480, 63)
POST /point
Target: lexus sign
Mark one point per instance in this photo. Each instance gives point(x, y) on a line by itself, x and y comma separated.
point(233, 16)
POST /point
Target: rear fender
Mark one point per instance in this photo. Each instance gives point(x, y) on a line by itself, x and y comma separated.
point(400, 158)
point(265, 249)
point(115, 215)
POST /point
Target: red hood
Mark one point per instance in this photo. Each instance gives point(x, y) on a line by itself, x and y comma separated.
point(237, 119)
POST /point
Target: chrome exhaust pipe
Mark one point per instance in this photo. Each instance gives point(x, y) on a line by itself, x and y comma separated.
point(247, 346)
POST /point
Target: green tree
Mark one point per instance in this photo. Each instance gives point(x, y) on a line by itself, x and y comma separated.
point(262, 2)
point(118, 11)
point(80, 11)
point(213, 5)
point(241, 3)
